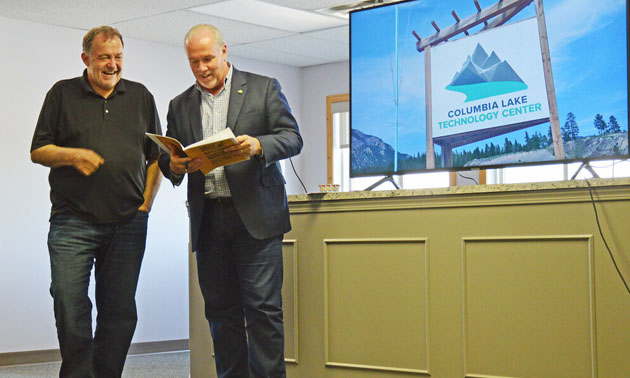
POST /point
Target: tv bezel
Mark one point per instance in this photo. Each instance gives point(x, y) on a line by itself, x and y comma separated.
point(488, 166)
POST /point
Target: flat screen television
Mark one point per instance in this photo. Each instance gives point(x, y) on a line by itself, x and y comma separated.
point(464, 84)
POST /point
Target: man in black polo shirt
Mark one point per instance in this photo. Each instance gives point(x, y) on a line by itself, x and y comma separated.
point(103, 179)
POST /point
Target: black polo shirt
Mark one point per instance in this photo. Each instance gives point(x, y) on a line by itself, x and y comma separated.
point(73, 115)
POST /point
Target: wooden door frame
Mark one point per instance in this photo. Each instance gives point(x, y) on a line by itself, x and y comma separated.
point(330, 100)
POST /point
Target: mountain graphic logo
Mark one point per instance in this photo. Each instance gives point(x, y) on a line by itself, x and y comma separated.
point(484, 75)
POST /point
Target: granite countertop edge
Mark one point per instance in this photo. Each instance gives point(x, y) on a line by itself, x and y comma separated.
point(453, 190)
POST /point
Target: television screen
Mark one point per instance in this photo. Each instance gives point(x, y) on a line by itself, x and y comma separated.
point(462, 84)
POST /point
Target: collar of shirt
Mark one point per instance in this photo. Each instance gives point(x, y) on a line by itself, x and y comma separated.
point(87, 87)
point(227, 82)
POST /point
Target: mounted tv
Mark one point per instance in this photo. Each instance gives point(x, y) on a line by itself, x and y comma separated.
point(465, 84)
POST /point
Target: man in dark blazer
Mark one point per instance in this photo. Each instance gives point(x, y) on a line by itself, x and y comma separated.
point(239, 212)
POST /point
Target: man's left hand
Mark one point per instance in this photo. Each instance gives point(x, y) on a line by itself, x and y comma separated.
point(247, 146)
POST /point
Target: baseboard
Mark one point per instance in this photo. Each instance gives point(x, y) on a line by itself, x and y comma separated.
point(52, 355)
point(29, 357)
point(158, 346)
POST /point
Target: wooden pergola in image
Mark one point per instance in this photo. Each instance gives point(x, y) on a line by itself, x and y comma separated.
point(492, 16)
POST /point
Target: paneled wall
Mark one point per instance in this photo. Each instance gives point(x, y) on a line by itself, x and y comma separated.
point(485, 281)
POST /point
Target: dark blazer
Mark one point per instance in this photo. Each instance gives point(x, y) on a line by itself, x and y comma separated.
point(259, 109)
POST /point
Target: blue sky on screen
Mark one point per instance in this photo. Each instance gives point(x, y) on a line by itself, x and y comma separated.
point(587, 40)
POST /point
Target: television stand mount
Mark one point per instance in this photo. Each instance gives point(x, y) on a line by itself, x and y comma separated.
point(586, 165)
point(389, 178)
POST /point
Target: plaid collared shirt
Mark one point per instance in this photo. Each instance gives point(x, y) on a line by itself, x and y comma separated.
point(214, 111)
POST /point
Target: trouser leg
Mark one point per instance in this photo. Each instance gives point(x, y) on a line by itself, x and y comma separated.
point(241, 277)
point(223, 309)
point(72, 245)
point(117, 271)
point(260, 273)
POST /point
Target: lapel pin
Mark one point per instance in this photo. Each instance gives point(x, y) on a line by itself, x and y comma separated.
point(239, 91)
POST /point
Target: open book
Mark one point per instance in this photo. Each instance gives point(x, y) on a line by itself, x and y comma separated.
point(210, 150)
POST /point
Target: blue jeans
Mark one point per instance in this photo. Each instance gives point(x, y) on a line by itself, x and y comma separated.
point(116, 251)
point(241, 281)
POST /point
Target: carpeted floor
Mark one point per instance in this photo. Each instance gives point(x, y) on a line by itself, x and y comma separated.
point(159, 365)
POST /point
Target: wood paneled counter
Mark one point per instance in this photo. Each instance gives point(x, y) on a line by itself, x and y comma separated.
point(472, 281)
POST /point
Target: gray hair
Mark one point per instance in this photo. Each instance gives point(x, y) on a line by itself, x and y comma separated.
point(218, 37)
point(107, 31)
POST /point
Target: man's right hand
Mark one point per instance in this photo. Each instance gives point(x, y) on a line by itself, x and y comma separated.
point(86, 161)
point(180, 165)
point(83, 160)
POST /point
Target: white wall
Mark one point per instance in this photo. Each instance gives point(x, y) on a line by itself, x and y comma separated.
point(291, 82)
point(35, 57)
point(318, 82)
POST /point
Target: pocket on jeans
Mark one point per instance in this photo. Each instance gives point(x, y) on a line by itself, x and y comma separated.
point(142, 215)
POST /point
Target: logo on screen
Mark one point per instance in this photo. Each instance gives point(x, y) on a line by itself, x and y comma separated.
point(484, 75)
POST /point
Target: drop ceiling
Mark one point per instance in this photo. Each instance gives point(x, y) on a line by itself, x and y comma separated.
point(297, 33)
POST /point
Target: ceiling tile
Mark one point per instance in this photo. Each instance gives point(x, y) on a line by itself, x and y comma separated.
point(172, 27)
point(167, 21)
point(84, 14)
point(311, 4)
point(308, 47)
point(266, 14)
point(251, 51)
point(340, 34)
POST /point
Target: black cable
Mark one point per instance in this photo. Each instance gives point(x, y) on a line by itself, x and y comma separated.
point(298, 176)
point(614, 162)
point(590, 191)
point(603, 166)
point(469, 178)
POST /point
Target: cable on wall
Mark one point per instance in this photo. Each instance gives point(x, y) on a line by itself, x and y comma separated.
point(298, 176)
point(469, 178)
point(590, 191)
